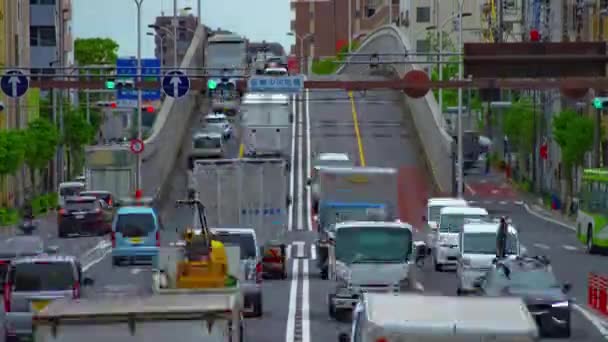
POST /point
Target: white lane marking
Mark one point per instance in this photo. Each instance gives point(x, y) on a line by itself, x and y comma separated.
point(313, 252)
point(291, 314)
point(494, 191)
point(299, 248)
point(519, 202)
point(300, 180)
point(305, 304)
point(541, 246)
point(288, 252)
point(487, 202)
point(502, 202)
point(291, 171)
point(570, 248)
point(483, 181)
point(548, 219)
point(308, 160)
point(596, 321)
point(470, 189)
point(92, 263)
point(419, 286)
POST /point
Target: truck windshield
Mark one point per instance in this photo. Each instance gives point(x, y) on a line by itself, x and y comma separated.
point(452, 223)
point(226, 54)
point(373, 244)
point(207, 143)
point(485, 243)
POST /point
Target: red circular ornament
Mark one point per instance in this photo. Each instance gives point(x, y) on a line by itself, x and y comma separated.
point(417, 77)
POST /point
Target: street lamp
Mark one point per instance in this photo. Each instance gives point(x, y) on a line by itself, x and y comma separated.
point(440, 57)
point(301, 39)
point(460, 71)
point(172, 34)
point(139, 100)
point(161, 37)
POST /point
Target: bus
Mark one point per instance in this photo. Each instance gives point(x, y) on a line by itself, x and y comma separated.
point(592, 213)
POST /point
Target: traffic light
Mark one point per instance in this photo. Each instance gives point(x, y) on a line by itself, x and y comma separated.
point(211, 84)
point(534, 35)
point(110, 84)
point(147, 109)
point(600, 102)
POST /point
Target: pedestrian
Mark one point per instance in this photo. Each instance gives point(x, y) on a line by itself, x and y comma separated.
point(501, 238)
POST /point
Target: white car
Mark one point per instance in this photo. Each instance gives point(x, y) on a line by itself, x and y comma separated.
point(218, 123)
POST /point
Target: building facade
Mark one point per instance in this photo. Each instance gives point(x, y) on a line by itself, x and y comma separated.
point(164, 40)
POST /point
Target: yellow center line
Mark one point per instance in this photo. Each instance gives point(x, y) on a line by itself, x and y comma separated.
point(241, 150)
point(357, 132)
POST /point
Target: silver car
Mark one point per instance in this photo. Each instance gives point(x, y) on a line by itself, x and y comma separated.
point(251, 264)
point(32, 283)
point(321, 160)
point(206, 145)
point(218, 123)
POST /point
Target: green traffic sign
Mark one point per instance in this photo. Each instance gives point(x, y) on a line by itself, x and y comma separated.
point(211, 84)
point(110, 85)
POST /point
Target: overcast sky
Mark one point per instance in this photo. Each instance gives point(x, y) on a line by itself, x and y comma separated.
point(117, 19)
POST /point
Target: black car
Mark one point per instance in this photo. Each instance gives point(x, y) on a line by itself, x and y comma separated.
point(103, 195)
point(18, 246)
point(532, 279)
point(84, 215)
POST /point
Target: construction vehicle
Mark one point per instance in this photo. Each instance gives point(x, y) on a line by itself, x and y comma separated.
point(197, 261)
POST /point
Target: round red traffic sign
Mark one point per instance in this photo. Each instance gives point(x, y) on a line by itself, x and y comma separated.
point(421, 79)
point(137, 146)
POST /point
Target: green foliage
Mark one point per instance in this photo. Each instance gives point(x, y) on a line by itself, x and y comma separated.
point(77, 131)
point(519, 125)
point(90, 51)
point(325, 66)
point(8, 217)
point(573, 134)
point(344, 49)
point(433, 38)
point(12, 151)
point(42, 139)
point(43, 203)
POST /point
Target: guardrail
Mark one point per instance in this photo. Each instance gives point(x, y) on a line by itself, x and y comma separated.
point(163, 146)
point(425, 112)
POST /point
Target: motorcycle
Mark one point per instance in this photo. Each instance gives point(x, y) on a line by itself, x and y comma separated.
point(28, 226)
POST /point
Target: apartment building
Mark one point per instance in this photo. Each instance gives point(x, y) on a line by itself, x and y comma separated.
point(322, 26)
point(186, 27)
point(49, 21)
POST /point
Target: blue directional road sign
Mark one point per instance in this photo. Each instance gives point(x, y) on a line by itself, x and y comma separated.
point(176, 83)
point(14, 83)
point(126, 68)
point(273, 84)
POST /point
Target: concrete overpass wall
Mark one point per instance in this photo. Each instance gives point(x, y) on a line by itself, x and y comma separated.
point(425, 113)
point(162, 148)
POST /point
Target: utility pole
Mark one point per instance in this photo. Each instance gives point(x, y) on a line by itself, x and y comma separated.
point(501, 20)
point(60, 158)
point(88, 97)
point(139, 93)
point(460, 76)
point(175, 65)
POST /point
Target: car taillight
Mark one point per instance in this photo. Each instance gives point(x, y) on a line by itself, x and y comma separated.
point(76, 290)
point(157, 238)
point(7, 297)
point(62, 212)
point(113, 238)
point(258, 272)
point(110, 201)
point(97, 211)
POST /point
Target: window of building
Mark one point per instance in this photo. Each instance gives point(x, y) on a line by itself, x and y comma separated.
point(423, 45)
point(182, 36)
point(423, 14)
point(42, 36)
point(42, 2)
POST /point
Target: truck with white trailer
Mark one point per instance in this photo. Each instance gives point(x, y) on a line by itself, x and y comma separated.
point(247, 193)
point(111, 168)
point(353, 194)
point(266, 125)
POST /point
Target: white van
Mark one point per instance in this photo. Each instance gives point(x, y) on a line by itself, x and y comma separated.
point(421, 318)
point(445, 252)
point(69, 189)
point(478, 251)
point(266, 125)
point(433, 209)
point(207, 145)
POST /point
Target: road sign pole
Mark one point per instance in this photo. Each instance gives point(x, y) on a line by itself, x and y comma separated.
point(139, 100)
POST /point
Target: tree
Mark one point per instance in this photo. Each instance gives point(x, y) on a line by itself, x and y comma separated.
point(519, 126)
point(77, 133)
point(90, 51)
point(42, 139)
point(573, 134)
point(12, 151)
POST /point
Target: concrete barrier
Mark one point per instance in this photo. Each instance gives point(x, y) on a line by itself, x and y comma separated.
point(425, 113)
point(162, 148)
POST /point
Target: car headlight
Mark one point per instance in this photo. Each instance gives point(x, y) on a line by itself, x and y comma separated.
point(560, 304)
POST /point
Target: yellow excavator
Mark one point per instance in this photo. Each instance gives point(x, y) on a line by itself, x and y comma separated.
point(204, 262)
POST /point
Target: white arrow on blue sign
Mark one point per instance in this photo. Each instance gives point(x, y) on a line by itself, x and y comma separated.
point(176, 84)
point(14, 83)
point(282, 84)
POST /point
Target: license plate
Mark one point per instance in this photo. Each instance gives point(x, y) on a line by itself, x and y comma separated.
point(39, 305)
point(79, 217)
point(136, 240)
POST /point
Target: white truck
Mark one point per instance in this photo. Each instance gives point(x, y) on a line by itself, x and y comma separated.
point(244, 193)
point(353, 194)
point(266, 125)
point(111, 168)
point(192, 317)
point(414, 317)
point(369, 256)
